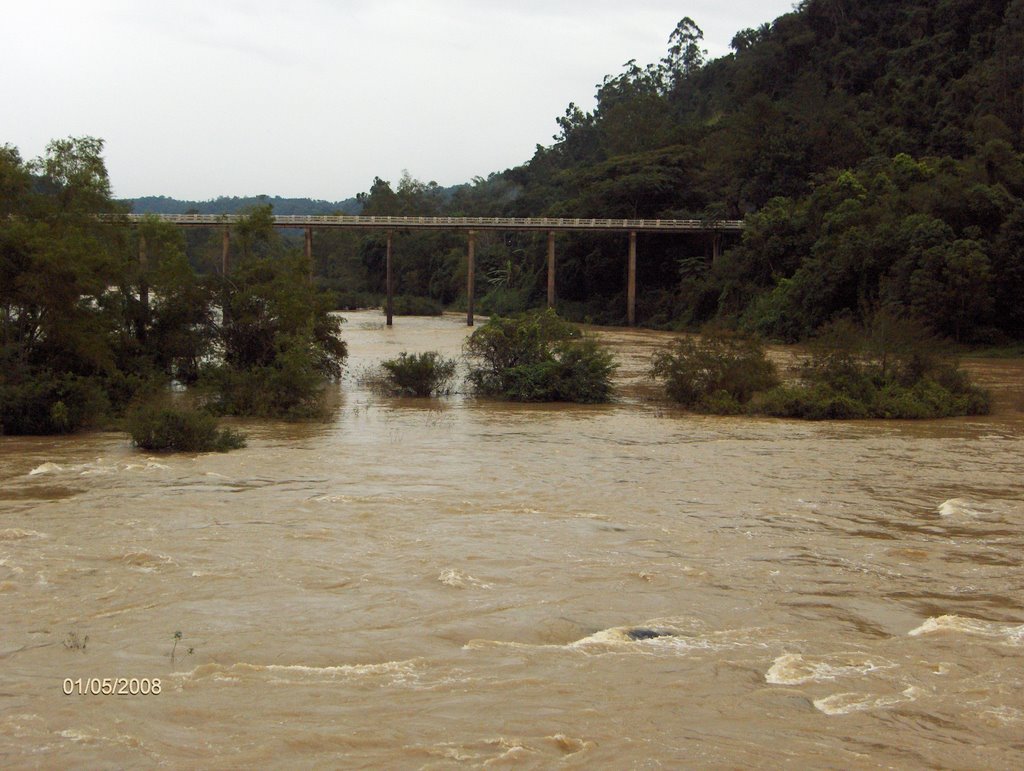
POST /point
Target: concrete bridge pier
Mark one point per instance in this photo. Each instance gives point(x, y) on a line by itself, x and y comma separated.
point(551, 269)
point(470, 277)
point(631, 281)
point(389, 304)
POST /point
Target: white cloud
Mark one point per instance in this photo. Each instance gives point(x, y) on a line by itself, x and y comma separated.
point(314, 98)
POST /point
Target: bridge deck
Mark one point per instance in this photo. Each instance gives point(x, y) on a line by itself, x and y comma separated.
point(458, 223)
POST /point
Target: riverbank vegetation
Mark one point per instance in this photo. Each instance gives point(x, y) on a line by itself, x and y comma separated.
point(96, 317)
point(168, 428)
point(538, 357)
point(891, 368)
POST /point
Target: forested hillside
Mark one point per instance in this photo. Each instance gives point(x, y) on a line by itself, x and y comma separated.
point(875, 148)
point(159, 204)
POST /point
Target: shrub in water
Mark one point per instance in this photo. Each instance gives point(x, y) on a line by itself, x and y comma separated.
point(815, 401)
point(163, 427)
point(538, 357)
point(418, 374)
point(891, 369)
point(701, 373)
point(583, 372)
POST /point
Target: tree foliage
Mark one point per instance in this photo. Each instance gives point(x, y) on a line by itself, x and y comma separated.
point(538, 357)
point(94, 317)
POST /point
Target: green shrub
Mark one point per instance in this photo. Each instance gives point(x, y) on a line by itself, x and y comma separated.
point(505, 301)
point(411, 305)
point(534, 382)
point(418, 374)
point(893, 368)
point(287, 389)
point(43, 402)
point(720, 403)
point(719, 362)
point(168, 428)
point(583, 372)
point(538, 357)
point(819, 401)
point(810, 402)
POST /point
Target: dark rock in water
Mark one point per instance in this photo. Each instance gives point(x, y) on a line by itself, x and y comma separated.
point(642, 633)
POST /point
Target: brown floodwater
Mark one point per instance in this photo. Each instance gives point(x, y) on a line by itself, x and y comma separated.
point(448, 582)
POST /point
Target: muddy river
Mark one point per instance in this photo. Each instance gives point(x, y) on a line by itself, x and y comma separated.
point(452, 582)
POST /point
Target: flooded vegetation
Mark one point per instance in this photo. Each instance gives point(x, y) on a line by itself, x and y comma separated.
point(433, 582)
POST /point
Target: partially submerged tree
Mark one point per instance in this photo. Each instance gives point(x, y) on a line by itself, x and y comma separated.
point(94, 317)
point(538, 357)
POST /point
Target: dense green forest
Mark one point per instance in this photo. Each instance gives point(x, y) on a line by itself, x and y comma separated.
point(96, 318)
point(874, 149)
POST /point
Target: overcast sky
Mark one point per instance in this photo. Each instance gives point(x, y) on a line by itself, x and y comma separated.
point(313, 98)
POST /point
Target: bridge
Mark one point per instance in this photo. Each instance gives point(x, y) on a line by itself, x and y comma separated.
point(550, 225)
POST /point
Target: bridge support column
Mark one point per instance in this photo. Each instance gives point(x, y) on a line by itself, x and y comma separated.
point(716, 247)
point(224, 265)
point(551, 269)
point(470, 277)
point(388, 308)
point(309, 252)
point(631, 281)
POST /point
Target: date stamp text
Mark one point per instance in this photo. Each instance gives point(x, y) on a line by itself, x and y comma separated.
point(111, 686)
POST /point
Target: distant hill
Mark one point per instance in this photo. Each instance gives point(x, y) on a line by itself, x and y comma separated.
point(160, 204)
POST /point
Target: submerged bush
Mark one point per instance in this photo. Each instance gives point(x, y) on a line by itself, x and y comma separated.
point(290, 387)
point(417, 374)
point(538, 357)
point(892, 368)
point(814, 401)
point(168, 428)
point(716, 373)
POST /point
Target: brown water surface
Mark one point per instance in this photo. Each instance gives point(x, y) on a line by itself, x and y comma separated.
point(434, 583)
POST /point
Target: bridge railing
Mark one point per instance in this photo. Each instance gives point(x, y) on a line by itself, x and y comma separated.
point(469, 223)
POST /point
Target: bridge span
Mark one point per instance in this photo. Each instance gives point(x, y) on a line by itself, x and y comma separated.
point(551, 225)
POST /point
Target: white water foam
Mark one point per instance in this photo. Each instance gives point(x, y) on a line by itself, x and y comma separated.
point(45, 468)
point(1008, 634)
point(97, 468)
point(963, 509)
point(845, 703)
point(393, 672)
point(145, 561)
point(796, 669)
point(658, 636)
point(458, 579)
